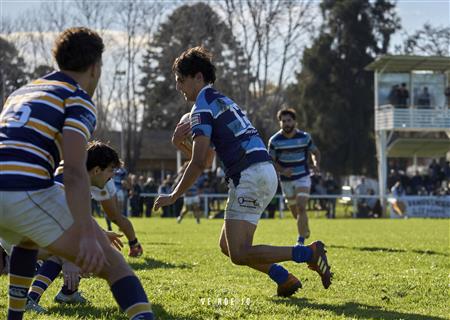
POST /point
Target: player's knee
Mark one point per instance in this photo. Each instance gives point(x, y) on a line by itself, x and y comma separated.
point(239, 257)
point(116, 266)
point(223, 248)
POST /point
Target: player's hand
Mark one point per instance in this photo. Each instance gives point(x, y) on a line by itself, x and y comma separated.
point(91, 257)
point(287, 172)
point(164, 200)
point(71, 275)
point(181, 132)
point(114, 238)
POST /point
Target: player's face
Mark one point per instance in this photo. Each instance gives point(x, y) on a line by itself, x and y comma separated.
point(287, 124)
point(187, 85)
point(101, 177)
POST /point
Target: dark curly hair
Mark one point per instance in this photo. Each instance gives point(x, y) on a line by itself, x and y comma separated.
point(76, 49)
point(102, 155)
point(195, 60)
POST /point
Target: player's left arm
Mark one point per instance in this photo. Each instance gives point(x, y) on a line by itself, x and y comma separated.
point(200, 155)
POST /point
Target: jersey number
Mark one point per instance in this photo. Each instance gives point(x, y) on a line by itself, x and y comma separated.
point(15, 116)
point(241, 117)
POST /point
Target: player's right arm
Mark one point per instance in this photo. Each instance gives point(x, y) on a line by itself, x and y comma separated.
point(77, 188)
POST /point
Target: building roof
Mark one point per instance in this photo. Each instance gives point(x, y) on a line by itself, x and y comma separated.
point(407, 63)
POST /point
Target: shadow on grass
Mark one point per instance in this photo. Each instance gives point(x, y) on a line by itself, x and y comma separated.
point(81, 312)
point(111, 312)
point(150, 263)
point(356, 310)
point(381, 249)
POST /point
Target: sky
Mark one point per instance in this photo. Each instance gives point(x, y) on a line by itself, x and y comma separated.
point(413, 13)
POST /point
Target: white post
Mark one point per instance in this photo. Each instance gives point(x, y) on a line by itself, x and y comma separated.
point(382, 167)
point(375, 89)
point(411, 90)
point(381, 152)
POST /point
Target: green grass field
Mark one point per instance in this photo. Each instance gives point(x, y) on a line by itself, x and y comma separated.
point(384, 269)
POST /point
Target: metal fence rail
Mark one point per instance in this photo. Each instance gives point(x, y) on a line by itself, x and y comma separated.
point(348, 200)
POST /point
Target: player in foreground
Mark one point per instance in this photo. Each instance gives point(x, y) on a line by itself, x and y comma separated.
point(42, 123)
point(216, 120)
point(102, 161)
point(69, 292)
point(290, 150)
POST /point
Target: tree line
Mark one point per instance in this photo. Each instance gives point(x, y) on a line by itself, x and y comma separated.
point(256, 45)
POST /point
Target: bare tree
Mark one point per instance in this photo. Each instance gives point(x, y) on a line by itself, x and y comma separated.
point(428, 41)
point(273, 34)
point(138, 20)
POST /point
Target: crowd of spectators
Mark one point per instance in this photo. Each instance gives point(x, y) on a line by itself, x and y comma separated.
point(133, 201)
point(432, 181)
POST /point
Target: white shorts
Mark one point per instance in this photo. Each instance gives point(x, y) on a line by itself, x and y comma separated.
point(191, 200)
point(290, 188)
point(256, 188)
point(41, 216)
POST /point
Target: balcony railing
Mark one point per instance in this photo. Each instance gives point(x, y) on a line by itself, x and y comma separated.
point(411, 119)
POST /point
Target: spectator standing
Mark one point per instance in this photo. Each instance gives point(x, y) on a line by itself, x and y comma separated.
point(135, 195)
point(149, 187)
point(403, 96)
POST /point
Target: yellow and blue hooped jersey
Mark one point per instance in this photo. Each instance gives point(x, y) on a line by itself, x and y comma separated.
point(31, 126)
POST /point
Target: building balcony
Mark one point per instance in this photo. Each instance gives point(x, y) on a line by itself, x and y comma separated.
point(412, 119)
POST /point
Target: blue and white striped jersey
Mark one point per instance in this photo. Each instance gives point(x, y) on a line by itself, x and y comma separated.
point(292, 152)
point(235, 140)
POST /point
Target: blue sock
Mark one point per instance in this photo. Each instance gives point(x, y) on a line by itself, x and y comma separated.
point(278, 274)
point(21, 273)
point(301, 240)
point(131, 297)
point(301, 253)
point(44, 278)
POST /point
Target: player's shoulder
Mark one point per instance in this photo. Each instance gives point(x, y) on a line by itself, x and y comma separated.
point(277, 136)
point(302, 134)
point(57, 83)
point(81, 99)
point(209, 100)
